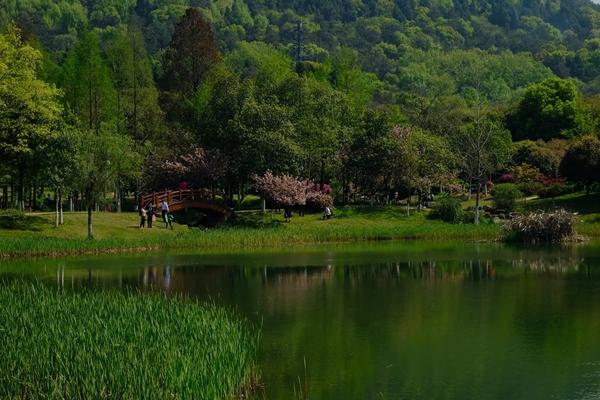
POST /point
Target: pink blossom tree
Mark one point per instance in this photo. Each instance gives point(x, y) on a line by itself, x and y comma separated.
point(284, 190)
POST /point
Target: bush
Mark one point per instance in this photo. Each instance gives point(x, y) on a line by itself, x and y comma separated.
point(554, 227)
point(447, 209)
point(505, 196)
point(13, 219)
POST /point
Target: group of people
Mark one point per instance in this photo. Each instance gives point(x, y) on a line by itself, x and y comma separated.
point(147, 215)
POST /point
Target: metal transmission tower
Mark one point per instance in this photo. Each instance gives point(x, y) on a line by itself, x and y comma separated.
point(298, 55)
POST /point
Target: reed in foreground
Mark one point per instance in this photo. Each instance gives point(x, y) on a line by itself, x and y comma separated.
point(108, 345)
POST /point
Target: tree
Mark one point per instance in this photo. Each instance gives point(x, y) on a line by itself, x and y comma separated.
point(101, 164)
point(550, 109)
point(421, 160)
point(369, 158)
point(582, 161)
point(137, 96)
point(88, 86)
point(59, 167)
point(189, 57)
point(284, 190)
point(29, 108)
point(482, 147)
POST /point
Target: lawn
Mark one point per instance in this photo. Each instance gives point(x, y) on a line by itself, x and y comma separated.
point(119, 232)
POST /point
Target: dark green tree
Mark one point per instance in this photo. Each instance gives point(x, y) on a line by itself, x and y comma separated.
point(550, 109)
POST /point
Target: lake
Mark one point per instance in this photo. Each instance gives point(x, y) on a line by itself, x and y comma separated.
point(411, 320)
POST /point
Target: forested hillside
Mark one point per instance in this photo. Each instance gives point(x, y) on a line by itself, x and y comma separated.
point(373, 96)
point(392, 38)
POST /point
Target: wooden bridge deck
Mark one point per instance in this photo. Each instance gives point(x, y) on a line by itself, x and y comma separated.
point(186, 199)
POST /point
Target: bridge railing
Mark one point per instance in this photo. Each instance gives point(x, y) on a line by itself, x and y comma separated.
point(176, 196)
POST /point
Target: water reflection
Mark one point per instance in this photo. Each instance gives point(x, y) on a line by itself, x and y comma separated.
point(479, 322)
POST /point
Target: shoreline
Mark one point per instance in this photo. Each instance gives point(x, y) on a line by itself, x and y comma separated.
point(118, 233)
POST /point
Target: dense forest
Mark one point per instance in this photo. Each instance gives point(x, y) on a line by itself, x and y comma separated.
point(375, 98)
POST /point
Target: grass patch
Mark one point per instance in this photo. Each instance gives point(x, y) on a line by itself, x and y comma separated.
point(118, 232)
point(58, 345)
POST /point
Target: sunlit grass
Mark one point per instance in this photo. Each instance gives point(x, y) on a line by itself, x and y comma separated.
point(118, 232)
point(109, 345)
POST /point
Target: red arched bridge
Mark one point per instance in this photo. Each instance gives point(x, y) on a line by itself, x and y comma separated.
point(183, 200)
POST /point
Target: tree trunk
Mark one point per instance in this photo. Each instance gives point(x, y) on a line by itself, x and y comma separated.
point(13, 199)
point(408, 204)
point(477, 197)
point(4, 197)
point(21, 195)
point(60, 208)
point(56, 212)
point(89, 222)
point(263, 205)
point(71, 202)
point(118, 194)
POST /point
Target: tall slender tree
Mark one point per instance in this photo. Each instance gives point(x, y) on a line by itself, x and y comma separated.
point(189, 57)
point(88, 86)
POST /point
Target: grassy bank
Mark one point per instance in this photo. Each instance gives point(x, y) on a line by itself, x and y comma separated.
point(124, 346)
point(118, 232)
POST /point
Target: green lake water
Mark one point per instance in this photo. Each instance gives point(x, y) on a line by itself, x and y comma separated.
point(389, 320)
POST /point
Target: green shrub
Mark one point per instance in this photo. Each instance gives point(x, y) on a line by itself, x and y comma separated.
point(541, 227)
point(447, 209)
point(13, 219)
point(505, 196)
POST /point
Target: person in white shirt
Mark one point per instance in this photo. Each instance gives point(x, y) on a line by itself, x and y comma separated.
point(143, 216)
point(164, 207)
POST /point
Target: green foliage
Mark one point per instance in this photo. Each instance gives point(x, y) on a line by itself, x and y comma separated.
point(482, 147)
point(528, 178)
point(447, 209)
point(581, 162)
point(29, 107)
point(59, 344)
point(87, 83)
point(505, 196)
point(545, 156)
point(548, 110)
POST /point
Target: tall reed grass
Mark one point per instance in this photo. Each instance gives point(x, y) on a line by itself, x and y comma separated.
point(109, 345)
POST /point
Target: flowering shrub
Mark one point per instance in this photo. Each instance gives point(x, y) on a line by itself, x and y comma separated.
point(287, 191)
point(553, 187)
point(284, 190)
point(318, 200)
point(507, 178)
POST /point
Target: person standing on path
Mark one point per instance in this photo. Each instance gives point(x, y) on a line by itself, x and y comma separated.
point(150, 214)
point(143, 216)
point(164, 207)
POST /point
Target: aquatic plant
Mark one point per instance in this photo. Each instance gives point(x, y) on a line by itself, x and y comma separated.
point(541, 227)
point(109, 345)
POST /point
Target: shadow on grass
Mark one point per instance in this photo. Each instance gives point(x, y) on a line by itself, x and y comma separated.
point(255, 220)
point(581, 203)
point(25, 223)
